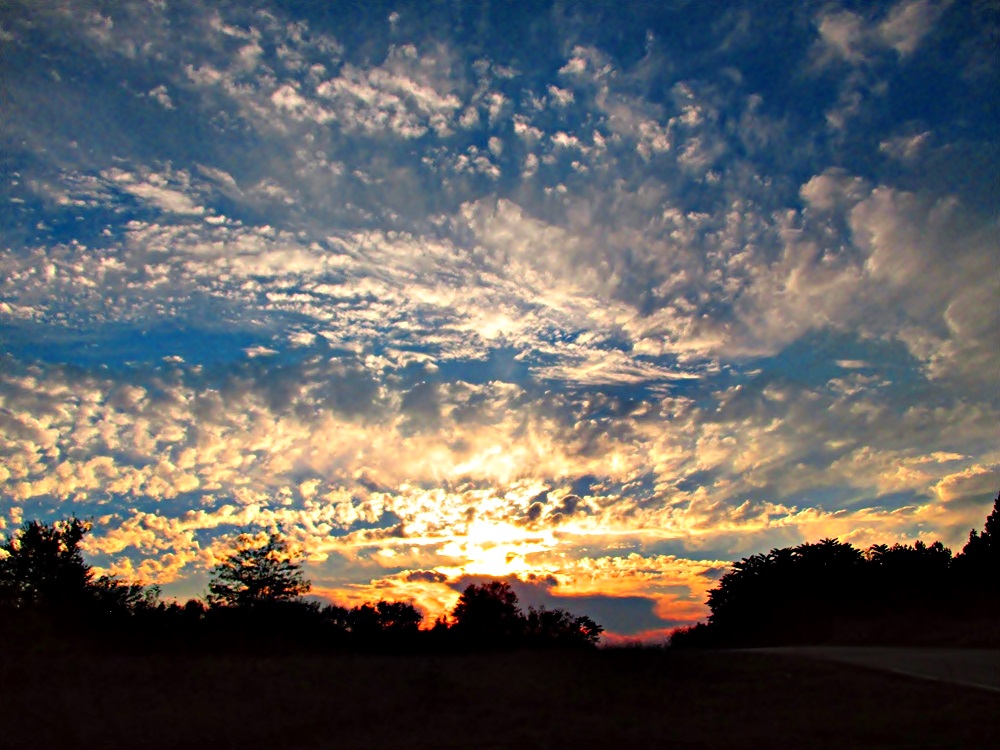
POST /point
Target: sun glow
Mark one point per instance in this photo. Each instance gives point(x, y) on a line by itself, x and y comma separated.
point(495, 461)
point(493, 533)
point(496, 549)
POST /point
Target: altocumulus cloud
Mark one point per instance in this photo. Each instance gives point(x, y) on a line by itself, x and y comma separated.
point(594, 312)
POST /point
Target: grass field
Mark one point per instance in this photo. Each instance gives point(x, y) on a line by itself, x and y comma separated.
point(604, 699)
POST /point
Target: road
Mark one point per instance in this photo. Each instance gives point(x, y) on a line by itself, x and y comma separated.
point(972, 667)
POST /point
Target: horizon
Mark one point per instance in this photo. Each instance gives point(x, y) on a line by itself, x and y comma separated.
point(588, 299)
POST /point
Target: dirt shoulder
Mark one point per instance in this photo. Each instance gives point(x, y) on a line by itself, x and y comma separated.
point(970, 667)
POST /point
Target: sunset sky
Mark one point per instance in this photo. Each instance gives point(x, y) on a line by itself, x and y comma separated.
point(593, 297)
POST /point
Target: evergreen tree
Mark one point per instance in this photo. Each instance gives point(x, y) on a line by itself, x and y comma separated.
point(978, 565)
point(984, 549)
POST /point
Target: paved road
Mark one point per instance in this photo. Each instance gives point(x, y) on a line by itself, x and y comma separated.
point(973, 667)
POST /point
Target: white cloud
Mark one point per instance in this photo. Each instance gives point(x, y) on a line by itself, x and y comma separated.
point(906, 148)
point(940, 275)
point(833, 189)
point(908, 22)
point(844, 35)
point(853, 38)
point(561, 97)
point(259, 351)
point(161, 95)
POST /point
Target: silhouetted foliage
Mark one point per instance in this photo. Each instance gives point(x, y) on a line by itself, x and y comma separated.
point(254, 604)
point(257, 574)
point(386, 624)
point(698, 635)
point(980, 558)
point(397, 618)
point(832, 592)
point(487, 614)
point(762, 594)
point(557, 627)
point(116, 597)
point(48, 593)
point(43, 566)
point(827, 591)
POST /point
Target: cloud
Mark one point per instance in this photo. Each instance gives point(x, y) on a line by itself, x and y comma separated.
point(160, 94)
point(860, 42)
point(944, 284)
point(906, 148)
point(425, 575)
point(908, 22)
point(979, 482)
point(833, 189)
point(843, 35)
point(161, 197)
point(854, 38)
point(598, 316)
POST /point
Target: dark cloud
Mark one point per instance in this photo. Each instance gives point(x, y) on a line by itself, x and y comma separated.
point(422, 404)
point(429, 576)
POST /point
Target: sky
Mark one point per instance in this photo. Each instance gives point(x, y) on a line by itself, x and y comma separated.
point(595, 297)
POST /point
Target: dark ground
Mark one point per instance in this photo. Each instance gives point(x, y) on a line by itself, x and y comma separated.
point(960, 666)
point(606, 699)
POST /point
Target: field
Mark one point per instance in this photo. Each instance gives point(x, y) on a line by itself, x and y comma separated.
point(626, 698)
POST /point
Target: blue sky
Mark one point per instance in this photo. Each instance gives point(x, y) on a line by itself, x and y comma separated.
point(595, 297)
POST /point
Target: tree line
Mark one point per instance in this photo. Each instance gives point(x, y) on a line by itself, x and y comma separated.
point(823, 592)
point(832, 592)
point(255, 600)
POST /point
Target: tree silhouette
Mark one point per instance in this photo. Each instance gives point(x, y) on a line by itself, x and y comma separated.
point(983, 550)
point(113, 596)
point(383, 620)
point(831, 592)
point(253, 603)
point(398, 618)
point(42, 565)
point(904, 573)
point(487, 614)
point(812, 592)
point(256, 575)
point(977, 566)
point(557, 627)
